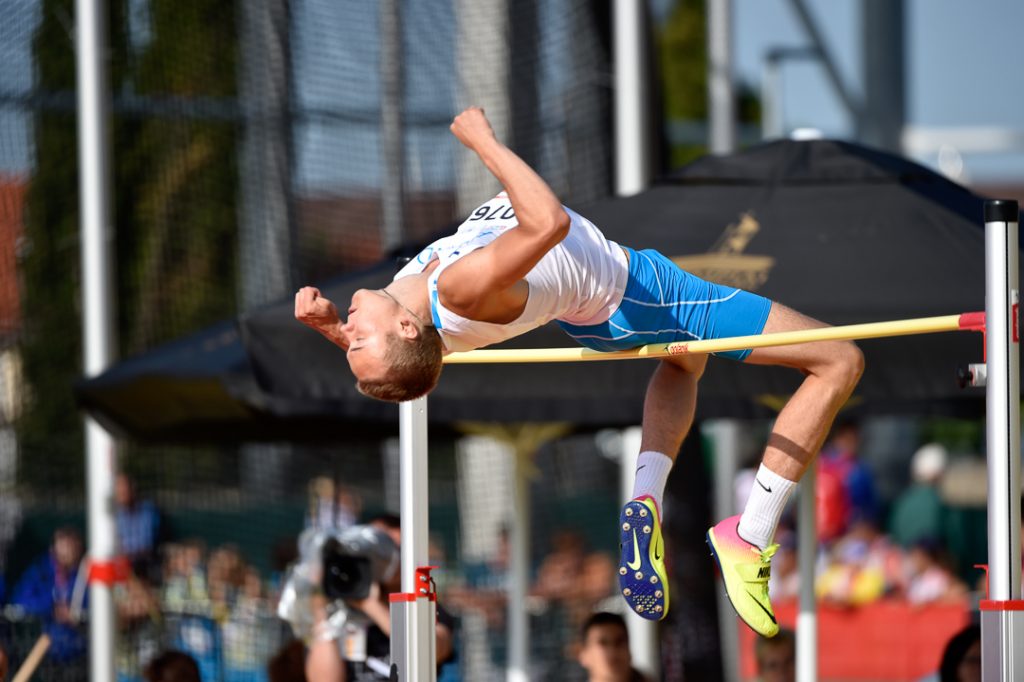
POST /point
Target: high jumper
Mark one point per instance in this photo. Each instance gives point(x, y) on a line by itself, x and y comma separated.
point(523, 259)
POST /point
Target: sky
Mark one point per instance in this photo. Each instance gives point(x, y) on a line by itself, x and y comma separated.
point(964, 67)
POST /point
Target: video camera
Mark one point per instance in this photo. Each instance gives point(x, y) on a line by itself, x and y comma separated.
point(342, 565)
point(354, 559)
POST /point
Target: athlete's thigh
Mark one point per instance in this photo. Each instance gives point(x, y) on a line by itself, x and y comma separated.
point(802, 355)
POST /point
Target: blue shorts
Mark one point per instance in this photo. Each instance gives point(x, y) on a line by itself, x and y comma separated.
point(663, 303)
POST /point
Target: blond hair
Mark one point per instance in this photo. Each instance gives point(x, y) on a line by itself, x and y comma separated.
point(414, 366)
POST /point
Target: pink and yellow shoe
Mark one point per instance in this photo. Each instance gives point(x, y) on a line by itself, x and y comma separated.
point(643, 580)
point(745, 571)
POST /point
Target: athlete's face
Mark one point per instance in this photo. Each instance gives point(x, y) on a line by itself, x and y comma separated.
point(372, 316)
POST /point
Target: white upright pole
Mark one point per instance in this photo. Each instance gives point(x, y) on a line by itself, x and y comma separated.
point(1002, 614)
point(725, 434)
point(806, 553)
point(413, 611)
point(519, 573)
point(771, 98)
point(721, 105)
point(632, 160)
point(413, 482)
point(97, 274)
point(643, 633)
point(392, 141)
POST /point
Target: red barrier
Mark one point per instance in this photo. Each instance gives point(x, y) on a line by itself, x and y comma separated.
point(889, 641)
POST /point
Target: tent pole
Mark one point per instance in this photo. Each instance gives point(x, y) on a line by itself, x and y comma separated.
point(1002, 613)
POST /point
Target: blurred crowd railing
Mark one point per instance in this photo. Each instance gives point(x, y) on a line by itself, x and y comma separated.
point(891, 640)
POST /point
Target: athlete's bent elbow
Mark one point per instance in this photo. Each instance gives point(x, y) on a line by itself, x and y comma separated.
point(560, 225)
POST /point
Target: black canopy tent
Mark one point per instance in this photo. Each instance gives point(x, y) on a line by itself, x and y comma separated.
point(840, 232)
point(837, 231)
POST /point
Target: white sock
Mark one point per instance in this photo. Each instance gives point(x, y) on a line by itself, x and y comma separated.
point(651, 474)
point(768, 497)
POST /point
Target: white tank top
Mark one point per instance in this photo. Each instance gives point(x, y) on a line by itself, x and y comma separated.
point(581, 280)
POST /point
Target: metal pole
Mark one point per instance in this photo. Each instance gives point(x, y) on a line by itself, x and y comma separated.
point(264, 194)
point(519, 571)
point(806, 552)
point(392, 189)
point(883, 45)
point(725, 434)
point(413, 612)
point(632, 149)
point(97, 307)
point(1002, 617)
point(771, 98)
point(643, 633)
point(483, 58)
point(721, 107)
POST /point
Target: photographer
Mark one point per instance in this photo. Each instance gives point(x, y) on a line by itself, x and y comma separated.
point(349, 615)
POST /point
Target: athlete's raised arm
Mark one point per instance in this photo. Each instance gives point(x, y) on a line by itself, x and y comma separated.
point(542, 220)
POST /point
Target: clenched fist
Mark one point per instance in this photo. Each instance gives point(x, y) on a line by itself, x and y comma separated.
point(472, 127)
point(314, 310)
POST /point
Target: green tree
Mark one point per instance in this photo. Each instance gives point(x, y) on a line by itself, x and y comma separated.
point(174, 186)
point(682, 52)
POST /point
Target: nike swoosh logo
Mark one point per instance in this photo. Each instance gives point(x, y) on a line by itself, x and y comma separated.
point(657, 550)
point(635, 563)
point(766, 488)
point(766, 611)
point(638, 469)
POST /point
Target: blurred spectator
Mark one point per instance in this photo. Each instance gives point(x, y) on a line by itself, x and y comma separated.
point(558, 574)
point(570, 584)
point(604, 649)
point(840, 458)
point(225, 576)
point(172, 666)
point(366, 641)
point(918, 513)
point(776, 657)
point(928, 579)
point(482, 603)
point(331, 507)
point(862, 567)
point(46, 590)
point(184, 589)
point(138, 622)
point(961, 659)
point(244, 632)
point(288, 664)
point(138, 526)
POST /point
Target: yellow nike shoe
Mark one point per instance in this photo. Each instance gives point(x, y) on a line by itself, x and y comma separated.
point(745, 571)
point(642, 577)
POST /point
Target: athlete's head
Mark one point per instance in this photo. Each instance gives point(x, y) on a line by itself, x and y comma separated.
point(394, 354)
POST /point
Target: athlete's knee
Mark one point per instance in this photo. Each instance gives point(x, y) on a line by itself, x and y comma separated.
point(848, 364)
point(692, 366)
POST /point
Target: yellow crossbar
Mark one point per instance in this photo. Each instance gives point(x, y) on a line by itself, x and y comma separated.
point(871, 330)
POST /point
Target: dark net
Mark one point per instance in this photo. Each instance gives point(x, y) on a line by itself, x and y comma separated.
point(252, 153)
